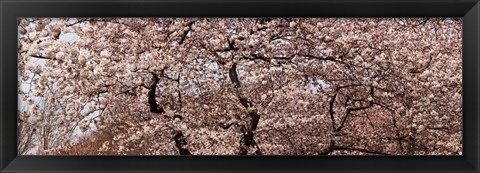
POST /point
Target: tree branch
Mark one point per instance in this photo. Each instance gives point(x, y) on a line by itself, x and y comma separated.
point(359, 149)
point(180, 142)
point(330, 110)
point(185, 33)
point(232, 73)
point(154, 107)
point(333, 147)
point(349, 110)
point(40, 57)
point(96, 20)
point(247, 140)
point(421, 69)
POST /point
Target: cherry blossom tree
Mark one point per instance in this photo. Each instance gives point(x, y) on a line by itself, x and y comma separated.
point(250, 86)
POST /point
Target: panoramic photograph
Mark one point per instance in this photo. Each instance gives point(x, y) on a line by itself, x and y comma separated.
point(240, 86)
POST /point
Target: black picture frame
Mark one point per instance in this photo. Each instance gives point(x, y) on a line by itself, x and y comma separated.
point(10, 10)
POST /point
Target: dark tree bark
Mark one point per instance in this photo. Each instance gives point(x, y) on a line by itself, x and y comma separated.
point(178, 137)
point(152, 96)
point(247, 140)
point(180, 142)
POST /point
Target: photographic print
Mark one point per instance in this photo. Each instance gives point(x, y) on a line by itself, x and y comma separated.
point(240, 86)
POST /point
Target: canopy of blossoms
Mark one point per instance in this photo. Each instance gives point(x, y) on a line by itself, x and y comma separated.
point(249, 86)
